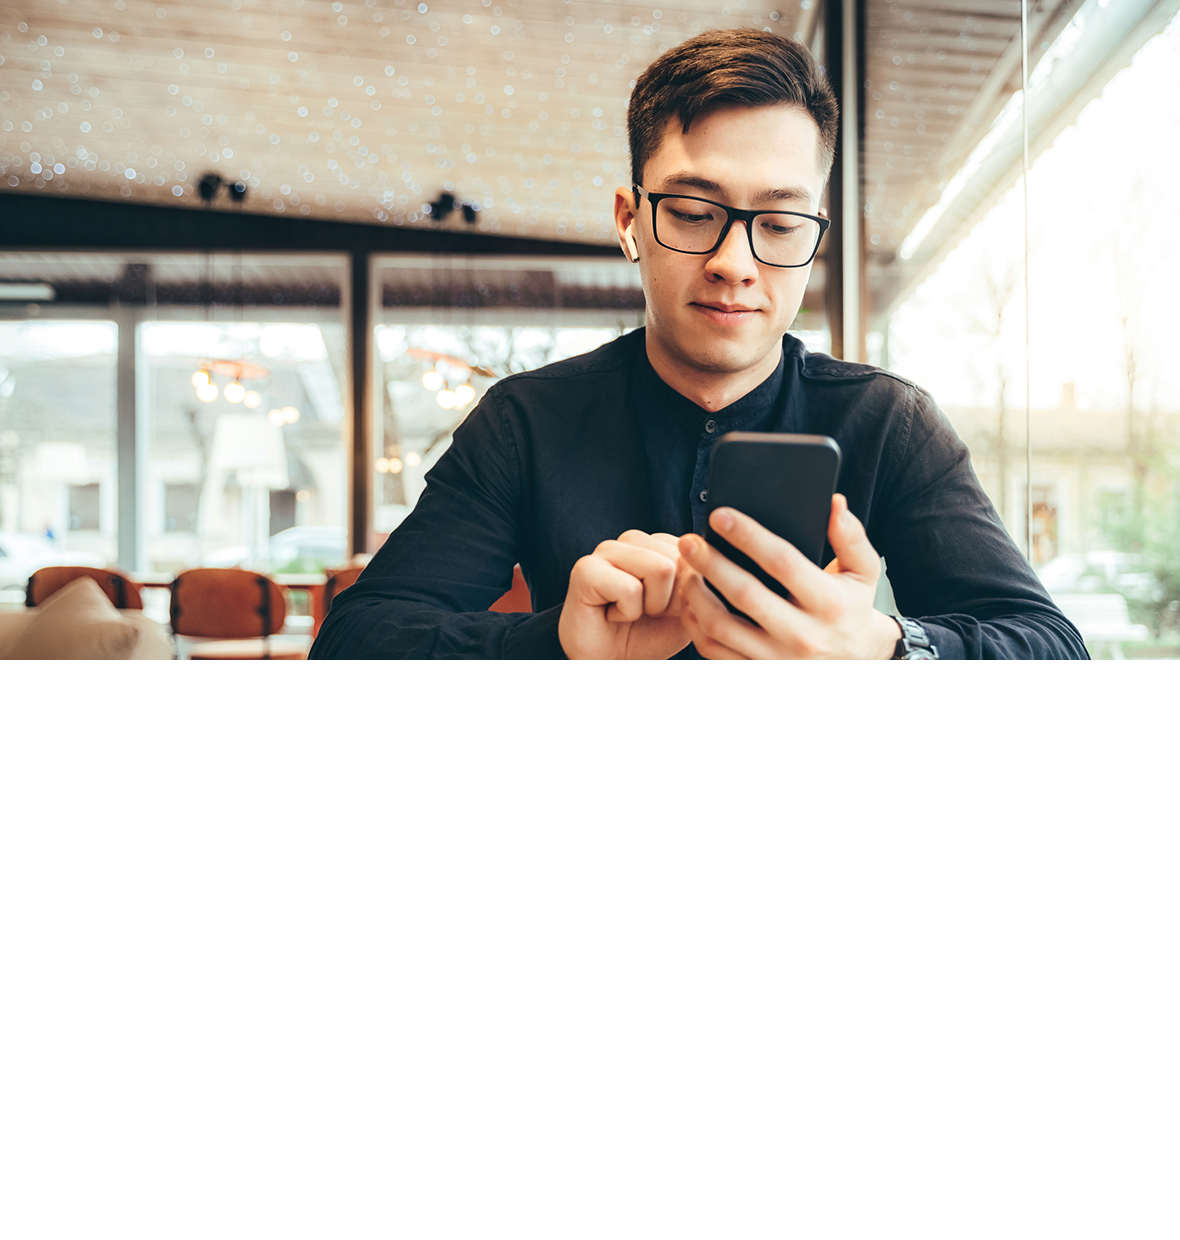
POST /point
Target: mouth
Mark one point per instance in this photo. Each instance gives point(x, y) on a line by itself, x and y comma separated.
point(728, 313)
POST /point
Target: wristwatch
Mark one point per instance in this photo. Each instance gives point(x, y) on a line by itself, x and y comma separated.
point(914, 642)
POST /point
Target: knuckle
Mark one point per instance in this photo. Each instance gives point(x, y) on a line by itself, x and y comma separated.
point(781, 563)
point(744, 596)
point(603, 547)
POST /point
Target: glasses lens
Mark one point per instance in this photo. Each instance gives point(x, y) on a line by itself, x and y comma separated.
point(688, 225)
point(783, 239)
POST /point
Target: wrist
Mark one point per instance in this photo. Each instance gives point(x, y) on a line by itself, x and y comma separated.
point(890, 633)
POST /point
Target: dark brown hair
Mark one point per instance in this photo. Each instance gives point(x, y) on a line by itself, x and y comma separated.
point(750, 68)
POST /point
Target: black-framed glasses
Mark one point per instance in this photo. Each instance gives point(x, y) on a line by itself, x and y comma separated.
point(698, 226)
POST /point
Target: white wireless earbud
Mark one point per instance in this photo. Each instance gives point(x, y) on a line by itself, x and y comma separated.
point(629, 241)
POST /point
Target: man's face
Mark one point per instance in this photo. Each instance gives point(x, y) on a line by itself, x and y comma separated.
point(725, 313)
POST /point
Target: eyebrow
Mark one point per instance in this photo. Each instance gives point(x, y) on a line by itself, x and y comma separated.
point(690, 180)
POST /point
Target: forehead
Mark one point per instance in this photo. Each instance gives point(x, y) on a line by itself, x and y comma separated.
point(743, 149)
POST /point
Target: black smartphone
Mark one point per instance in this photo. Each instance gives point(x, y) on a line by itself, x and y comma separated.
point(785, 482)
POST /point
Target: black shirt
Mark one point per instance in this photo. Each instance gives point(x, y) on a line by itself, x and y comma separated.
point(554, 461)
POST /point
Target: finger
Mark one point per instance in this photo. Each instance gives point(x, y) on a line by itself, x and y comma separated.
point(706, 646)
point(665, 544)
point(783, 561)
point(598, 583)
point(719, 625)
point(655, 571)
point(767, 609)
point(854, 552)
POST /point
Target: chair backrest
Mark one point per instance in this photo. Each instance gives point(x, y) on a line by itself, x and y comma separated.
point(517, 598)
point(338, 580)
point(117, 586)
point(226, 602)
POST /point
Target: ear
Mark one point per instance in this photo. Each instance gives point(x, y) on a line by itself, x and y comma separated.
point(625, 215)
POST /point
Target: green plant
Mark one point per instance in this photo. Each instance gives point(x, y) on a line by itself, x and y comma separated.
point(1150, 531)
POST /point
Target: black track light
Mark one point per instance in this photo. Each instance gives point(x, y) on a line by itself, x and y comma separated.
point(210, 185)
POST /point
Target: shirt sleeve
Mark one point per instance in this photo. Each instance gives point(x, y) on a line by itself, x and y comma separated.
point(426, 593)
point(952, 564)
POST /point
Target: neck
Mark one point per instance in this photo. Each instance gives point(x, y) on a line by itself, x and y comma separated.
point(712, 391)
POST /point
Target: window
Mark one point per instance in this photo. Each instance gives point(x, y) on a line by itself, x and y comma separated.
point(1092, 475)
point(58, 463)
point(181, 504)
point(84, 506)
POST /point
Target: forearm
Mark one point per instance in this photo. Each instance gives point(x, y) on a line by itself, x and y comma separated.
point(1028, 635)
point(385, 628)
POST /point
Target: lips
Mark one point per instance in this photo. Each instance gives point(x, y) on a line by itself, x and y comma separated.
point(727, 313)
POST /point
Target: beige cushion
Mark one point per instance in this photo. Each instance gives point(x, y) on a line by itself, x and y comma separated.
point(76, 622)
point(13, 622)
point(153, 641)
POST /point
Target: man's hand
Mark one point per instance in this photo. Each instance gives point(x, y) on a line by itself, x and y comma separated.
point(622, 601)
point(831, 615)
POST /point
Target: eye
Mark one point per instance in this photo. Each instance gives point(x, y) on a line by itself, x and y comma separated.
point(686, 217)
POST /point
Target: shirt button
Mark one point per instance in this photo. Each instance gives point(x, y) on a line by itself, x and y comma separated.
point(710, 426)
point(704, 497)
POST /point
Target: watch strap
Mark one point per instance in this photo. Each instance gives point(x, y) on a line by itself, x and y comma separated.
point(914, 642)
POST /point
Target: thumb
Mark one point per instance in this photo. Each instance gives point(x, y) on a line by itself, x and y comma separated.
point(854, 552)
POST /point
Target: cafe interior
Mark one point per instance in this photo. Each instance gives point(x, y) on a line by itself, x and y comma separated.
point(258, 261)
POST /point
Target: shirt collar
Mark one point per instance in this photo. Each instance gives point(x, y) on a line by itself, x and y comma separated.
point(752, 407)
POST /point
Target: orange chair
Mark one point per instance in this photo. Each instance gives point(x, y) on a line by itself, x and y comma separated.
point(245, 607)
point(517, 598)
point(337, 581)
point(117, 586)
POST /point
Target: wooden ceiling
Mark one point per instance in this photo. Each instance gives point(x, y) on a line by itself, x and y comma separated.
point(937, 74)
point(353, 109)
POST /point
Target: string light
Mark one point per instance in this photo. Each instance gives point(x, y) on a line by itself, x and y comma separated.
point(234, 392)
point(395, 466)
point(412, 458)
point(432, 380)
point(253, 400)
point(465, 393)
point(447, 398)
point(200, 378)
point(208, 392)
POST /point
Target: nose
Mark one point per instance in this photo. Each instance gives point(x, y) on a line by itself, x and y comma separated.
point(733, 261)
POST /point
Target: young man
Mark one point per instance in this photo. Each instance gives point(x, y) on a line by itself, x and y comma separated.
point(591, 473)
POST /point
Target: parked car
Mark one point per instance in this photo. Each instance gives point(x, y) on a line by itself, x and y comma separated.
point(1098, 572)
point(300, 549)
point(22, 554)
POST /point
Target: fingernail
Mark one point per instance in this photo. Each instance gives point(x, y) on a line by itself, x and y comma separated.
point(722, 520)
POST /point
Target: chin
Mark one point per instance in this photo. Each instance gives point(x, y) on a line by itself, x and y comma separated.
point(727, 356)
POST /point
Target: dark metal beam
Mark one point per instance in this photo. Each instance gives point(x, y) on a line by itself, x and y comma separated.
point(47, 221)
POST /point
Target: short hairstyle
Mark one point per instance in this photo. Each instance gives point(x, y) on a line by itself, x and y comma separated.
point(735, 66)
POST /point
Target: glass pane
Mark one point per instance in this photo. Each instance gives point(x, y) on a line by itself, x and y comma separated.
point(58, 467)
point(1088, 484)
point(243, 364)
